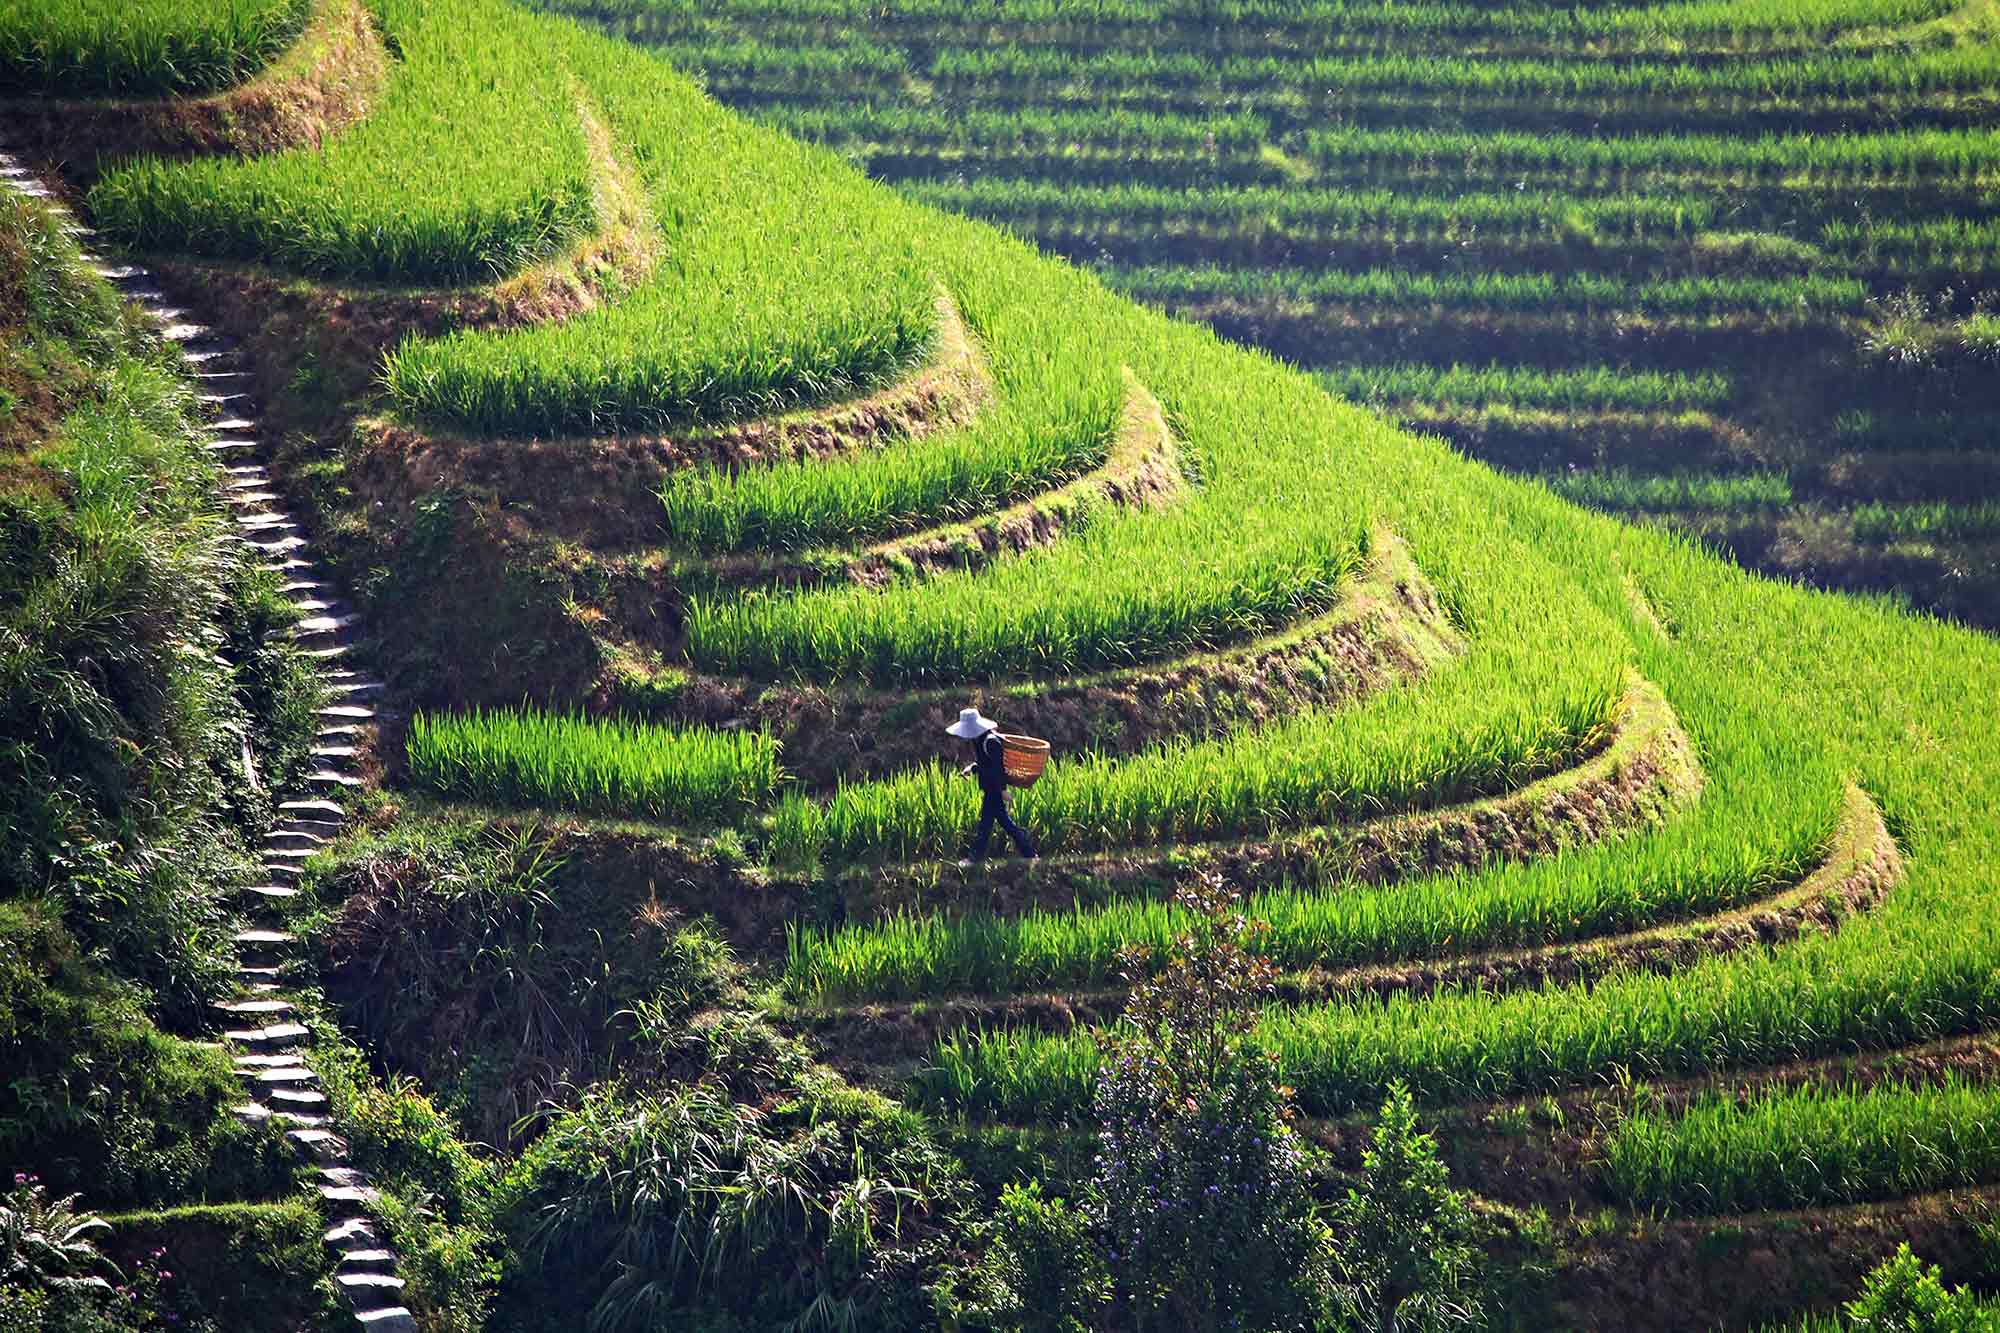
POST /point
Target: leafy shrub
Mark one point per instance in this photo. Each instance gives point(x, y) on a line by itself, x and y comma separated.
point(1206, 1213)
point(1403, 1239)
point(1903, 1296)
point(647, 1208)
point(1043, 1271)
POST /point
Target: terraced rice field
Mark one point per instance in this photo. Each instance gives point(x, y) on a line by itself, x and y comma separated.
point(1539, 804)
point(1418, 199)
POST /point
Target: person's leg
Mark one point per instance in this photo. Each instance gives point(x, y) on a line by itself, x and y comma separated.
point(1016, 832)
point(976, 849)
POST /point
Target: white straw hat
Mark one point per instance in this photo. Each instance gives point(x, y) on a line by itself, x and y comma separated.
point(971, 724)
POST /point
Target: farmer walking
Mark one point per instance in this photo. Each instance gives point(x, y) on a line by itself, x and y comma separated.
point(989, 762)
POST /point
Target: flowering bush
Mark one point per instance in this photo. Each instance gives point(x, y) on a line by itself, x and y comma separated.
point(1203, 1201)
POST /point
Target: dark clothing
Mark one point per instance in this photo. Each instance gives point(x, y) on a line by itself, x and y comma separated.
point(989, 757)
point(990, 754)
point(993, 810)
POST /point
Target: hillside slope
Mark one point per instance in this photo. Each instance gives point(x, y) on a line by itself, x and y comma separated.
point(611, 400)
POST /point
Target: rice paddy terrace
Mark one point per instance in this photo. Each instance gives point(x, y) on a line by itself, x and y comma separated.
point(685, 483)
point(1726, 267)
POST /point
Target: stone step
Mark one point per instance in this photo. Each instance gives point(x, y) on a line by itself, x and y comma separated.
point(337, 735)
point(264, 938)
point(266, 520)
point(368, 1288)
point(387, 1319)
point(292, 838)
point(313, 809)
point(348, 712)
point(253, 1006)
point(355, 1194)
point(355, 689)
point(275, 1034)
point(295, 1098)
point(253, 974)
point(285, 856)
point(314, 605)
point(372, 1260)
point(316, 828)
point(326, 654)
point(119, 272)
point(233, 425)
point(322, 1145)
point(269, 893)
point(356, 1233)
point(281, 870)
point(290, 1076)
point(323, 624)
point(256, 1062)
point(326, 777)
point(229, 446)
point(242, 495)
point(180, 331)
point(335, 751)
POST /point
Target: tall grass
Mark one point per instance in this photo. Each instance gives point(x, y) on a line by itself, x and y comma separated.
point(1580, 388)
point(1412, 749)
point(760, 303)
point(1714, 862)
point(1675, 492)
point(1935, 521)
point(1520, 292)
point(139, 48)
point(474, 164)
point(1907, 155)
point(1314, 213)
point(1037, 442)
point(609, 766)
point(1807, 1147)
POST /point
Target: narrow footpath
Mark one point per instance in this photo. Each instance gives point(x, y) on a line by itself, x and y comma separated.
point(271, 1049)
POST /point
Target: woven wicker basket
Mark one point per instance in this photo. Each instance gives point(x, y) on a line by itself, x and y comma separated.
point(1023, 758)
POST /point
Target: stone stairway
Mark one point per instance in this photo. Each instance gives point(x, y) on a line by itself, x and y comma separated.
point(271, 1049)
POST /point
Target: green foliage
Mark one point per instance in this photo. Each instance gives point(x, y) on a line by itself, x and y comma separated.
point(94, 48)
point(991, 465)
point(530, 757)
point(1580, 388)
point(646, 1208)
point(1407, 750)
point(1042, 1271)
point(1902, 1296)
point(1619, 490)
point(456, 176)
point(1807, 1147)
point(1203, 1203)
point(47, 1242)
point(1403, 1239)
point(98, 1098)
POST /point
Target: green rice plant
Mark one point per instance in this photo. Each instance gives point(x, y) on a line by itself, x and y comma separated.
point(1811, 295)
point(474, 164)
point(1102, 75)
point(1927, 155)
point(1409, 750)
point(1577, 389)
point(1019, 129)
point(1938, 520)
point(1679, 492)
point(1312, 18)
point(1806, 1147)
point(1752, 846)
point(140, 48)
point(1318, 213)
point(758, 304)
point(1046, 434)
point(607, 766)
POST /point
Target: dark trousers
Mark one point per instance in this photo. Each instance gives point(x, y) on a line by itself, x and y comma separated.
point(993, 810)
